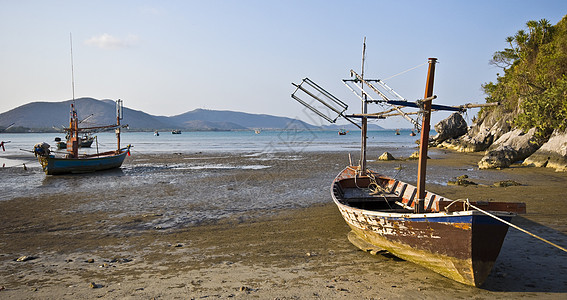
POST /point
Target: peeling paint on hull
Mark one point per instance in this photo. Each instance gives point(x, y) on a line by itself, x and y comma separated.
point(461, 245)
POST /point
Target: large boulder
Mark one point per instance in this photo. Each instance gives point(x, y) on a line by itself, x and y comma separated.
point(452, 127)
point(487, 129)
point(552, 154)
point(511, 147)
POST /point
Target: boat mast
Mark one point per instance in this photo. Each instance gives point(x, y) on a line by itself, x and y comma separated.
point(73, 142)
point(118, 117)
point(364, 118)
point(424, 141)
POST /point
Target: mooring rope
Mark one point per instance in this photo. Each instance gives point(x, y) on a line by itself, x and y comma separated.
point(508, 223)
point(22, 164)
point(376, 189)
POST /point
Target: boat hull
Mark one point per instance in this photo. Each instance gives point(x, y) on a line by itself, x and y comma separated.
point(55, 166)
point(461, 245)
point(463, 248)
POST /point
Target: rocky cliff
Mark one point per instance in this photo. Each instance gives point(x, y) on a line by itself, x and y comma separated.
point(503, 144)
point(530, 124)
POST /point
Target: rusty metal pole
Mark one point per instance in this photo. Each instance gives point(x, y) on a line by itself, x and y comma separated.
point(424, 141)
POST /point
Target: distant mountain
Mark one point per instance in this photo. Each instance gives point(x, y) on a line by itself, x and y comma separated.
point(51, 116)
point(42, 116)
point(240, 119)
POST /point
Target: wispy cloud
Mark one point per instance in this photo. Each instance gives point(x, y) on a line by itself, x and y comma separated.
point(107, 41)
point(152, 10)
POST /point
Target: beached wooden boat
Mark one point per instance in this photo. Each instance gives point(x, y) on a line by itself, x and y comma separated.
point(73, 162)
point(448, 237)
point(455, 238)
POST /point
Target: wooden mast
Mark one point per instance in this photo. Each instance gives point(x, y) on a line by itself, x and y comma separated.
point(73, 141)
point(118, 117)
point(424, 141)
point(364, 125)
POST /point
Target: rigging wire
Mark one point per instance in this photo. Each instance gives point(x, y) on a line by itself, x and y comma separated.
point(413, 68)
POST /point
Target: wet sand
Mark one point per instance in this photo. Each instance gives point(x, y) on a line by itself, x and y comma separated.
point(83, 247)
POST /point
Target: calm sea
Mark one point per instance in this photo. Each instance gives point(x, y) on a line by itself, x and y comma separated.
point(214, 141)
point(248, 174)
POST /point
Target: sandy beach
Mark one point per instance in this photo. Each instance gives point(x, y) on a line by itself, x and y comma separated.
point(93, 245)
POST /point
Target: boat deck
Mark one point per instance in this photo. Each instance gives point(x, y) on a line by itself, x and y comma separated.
point(364, 198)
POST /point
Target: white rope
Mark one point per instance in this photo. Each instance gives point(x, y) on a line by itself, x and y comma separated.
point(507, 223)
point(520, 229)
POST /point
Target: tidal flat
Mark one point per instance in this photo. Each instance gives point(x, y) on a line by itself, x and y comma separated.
point(252, 225)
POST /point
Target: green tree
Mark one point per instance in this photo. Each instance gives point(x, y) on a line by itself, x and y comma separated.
point(534, 84)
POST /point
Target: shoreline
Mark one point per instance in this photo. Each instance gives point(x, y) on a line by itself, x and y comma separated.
point(81, 250)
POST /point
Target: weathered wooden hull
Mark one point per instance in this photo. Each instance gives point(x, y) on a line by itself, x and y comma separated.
point(461, 245)
point(54, 166)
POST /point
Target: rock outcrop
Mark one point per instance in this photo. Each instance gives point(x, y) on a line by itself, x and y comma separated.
point(450, 128)
point(552, 154)
point(511, 147)
point(386, 156)
point(487, 129)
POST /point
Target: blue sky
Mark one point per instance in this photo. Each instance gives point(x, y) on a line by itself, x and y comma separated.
point(170, 57)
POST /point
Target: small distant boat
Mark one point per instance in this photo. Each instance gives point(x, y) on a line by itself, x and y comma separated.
point(60, 144)
point(257, 131)
point(156, 133)
point(412, 133)
point(86, 141)
point(176, 131)
point(397, 132)
point(342, 132)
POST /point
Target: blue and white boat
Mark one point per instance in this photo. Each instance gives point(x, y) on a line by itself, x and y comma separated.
point(73, 162)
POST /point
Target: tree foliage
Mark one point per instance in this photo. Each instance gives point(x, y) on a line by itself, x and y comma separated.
point(534, 84)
